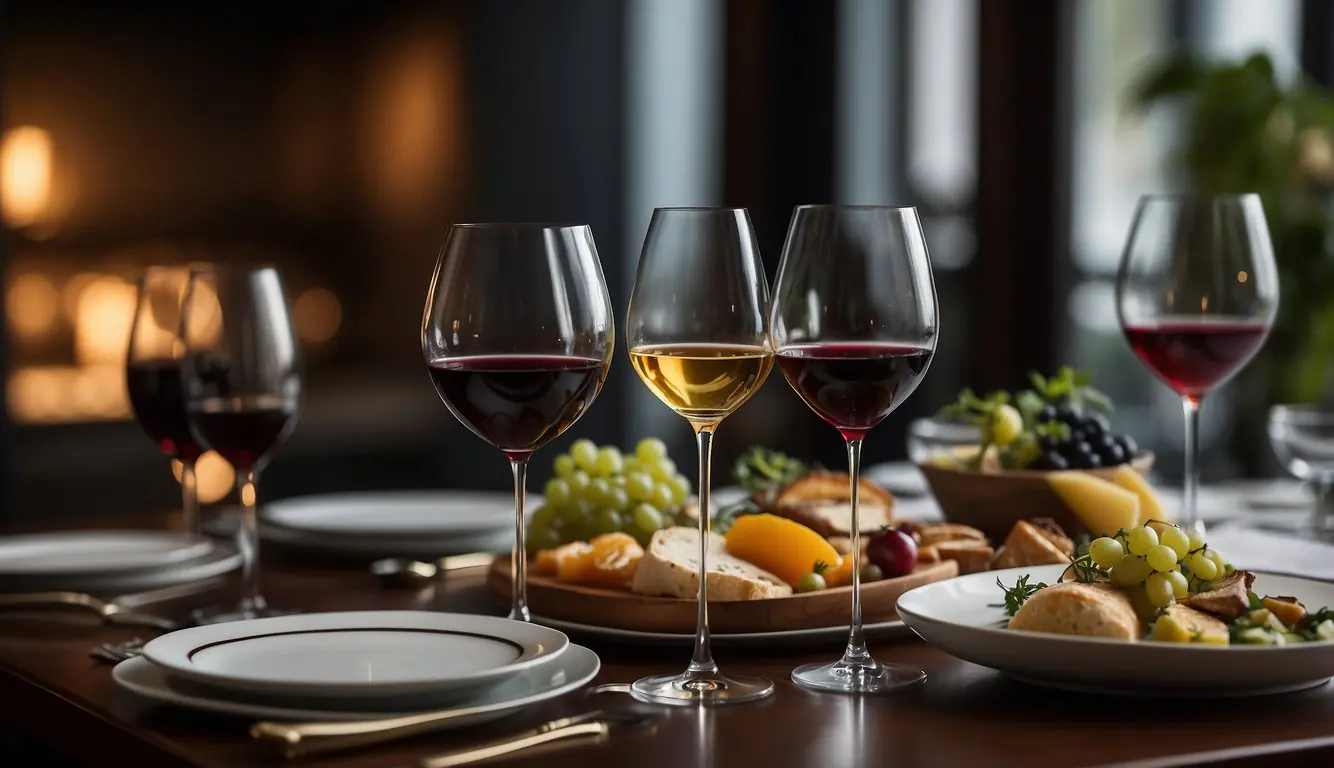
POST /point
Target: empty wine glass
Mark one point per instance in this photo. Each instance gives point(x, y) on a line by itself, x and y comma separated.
point(153, 376)
point(1303, 439)
point(242, 386)
point(518, 336)
point(1196, 294)
point(697, 332)
point(854, 328)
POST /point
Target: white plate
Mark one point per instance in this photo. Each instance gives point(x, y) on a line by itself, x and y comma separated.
point(86, 553)
point(357, 654)
point(961, 616)
point(901, 478)
point(791, 638)
point(219, 560)
point(422, 548)
point(395, 514)
point(568, 672)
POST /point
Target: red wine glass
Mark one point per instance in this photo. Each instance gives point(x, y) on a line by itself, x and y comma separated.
point(518, 336)
point(853, 328)
point(153, 376)
point(1196, 295)
point(242, 386)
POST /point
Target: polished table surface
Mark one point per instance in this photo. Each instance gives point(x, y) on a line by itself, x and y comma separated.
point(964, 715)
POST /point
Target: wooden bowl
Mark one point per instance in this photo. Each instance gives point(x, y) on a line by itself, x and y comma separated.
point(623, 609)
point(993, 502)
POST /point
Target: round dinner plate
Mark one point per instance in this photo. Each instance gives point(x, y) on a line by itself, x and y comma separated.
point(95, 553)
point(790, 638)
point(358, 654)
point(964, 617)
point(403, 515)
point(220, 559)
point(569, 671)
point(421, 548)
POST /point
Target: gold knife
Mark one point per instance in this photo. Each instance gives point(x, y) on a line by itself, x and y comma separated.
point(301, 739)
point(545, 734)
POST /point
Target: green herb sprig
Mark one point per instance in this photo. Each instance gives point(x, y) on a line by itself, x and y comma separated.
point(1016, 596)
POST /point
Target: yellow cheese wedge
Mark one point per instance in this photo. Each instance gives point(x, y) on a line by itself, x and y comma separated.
point(1149, 506)
point(1102, 507)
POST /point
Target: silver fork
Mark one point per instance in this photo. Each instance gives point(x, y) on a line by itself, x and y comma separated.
point(115, 653)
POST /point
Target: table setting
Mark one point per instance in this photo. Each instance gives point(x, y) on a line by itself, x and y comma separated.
point(1024, 560)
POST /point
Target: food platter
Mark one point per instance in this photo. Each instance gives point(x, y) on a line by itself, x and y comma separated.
point(962, 616)
point(618, 608)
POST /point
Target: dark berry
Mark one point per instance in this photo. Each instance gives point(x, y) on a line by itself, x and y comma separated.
point(1075, 452)
point(1048, 413)
point(1111, 454)
point(1128, 446)
point(1096, 422)
point(1077, 436)
point(1092, 461)
point(1050, 460)
point(1048, 442)
point(1066, 416)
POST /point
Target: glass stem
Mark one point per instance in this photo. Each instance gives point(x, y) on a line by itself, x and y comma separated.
point(519, 560)
point(1324, 503)
point(856, 652)
point(702, 660)
point(249, 542)
point(190, 498)
point(1190, 407)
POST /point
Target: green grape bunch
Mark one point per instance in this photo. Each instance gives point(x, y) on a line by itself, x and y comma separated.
point(598, 489)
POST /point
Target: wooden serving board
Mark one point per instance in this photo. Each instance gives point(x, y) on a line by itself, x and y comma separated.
point(622, 609)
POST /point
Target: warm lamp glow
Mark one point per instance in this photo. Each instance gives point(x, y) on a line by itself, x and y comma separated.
point(317, 314)
point(214, 477)
point(67, 393)
point(32, 305)
point(25, 175)
point(102, 321)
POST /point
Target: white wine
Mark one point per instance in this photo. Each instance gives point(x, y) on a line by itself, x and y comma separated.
point(703, 382)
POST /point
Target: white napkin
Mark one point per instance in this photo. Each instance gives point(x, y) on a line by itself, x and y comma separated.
point(1259, 550)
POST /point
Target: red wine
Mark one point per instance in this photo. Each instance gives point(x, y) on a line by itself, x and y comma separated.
point(518, 403)
point(1194, 357)
point(159, 405)
point(853, 385)
point(243, 430)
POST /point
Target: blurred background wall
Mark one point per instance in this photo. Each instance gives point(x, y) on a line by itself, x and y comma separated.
point(340, 138)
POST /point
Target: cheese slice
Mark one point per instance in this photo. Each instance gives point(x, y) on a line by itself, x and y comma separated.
point(834, 518)
point(1149, 506)
point(1103, 507)
point(671, 567)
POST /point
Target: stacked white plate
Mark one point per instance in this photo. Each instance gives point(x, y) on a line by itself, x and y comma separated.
point(421, 524)
point(106, 562)
point(359, 666)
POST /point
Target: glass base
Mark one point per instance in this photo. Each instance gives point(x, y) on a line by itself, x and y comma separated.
point(701, 688)
point(246, 609)
point(867, 677)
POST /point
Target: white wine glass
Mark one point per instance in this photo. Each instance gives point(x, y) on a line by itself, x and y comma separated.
point(698, 336)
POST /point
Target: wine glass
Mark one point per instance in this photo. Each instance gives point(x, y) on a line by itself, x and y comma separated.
point(1196, 295)
point(242, 386)
point(153, 376)
point(1303, 439)
point(518, 336)
point(853, 328)
point(697, 336)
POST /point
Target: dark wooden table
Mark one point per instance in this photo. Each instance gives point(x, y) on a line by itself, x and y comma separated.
point(964, 715)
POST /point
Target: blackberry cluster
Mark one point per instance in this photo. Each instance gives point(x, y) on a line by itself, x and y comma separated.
point(1091, 443)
